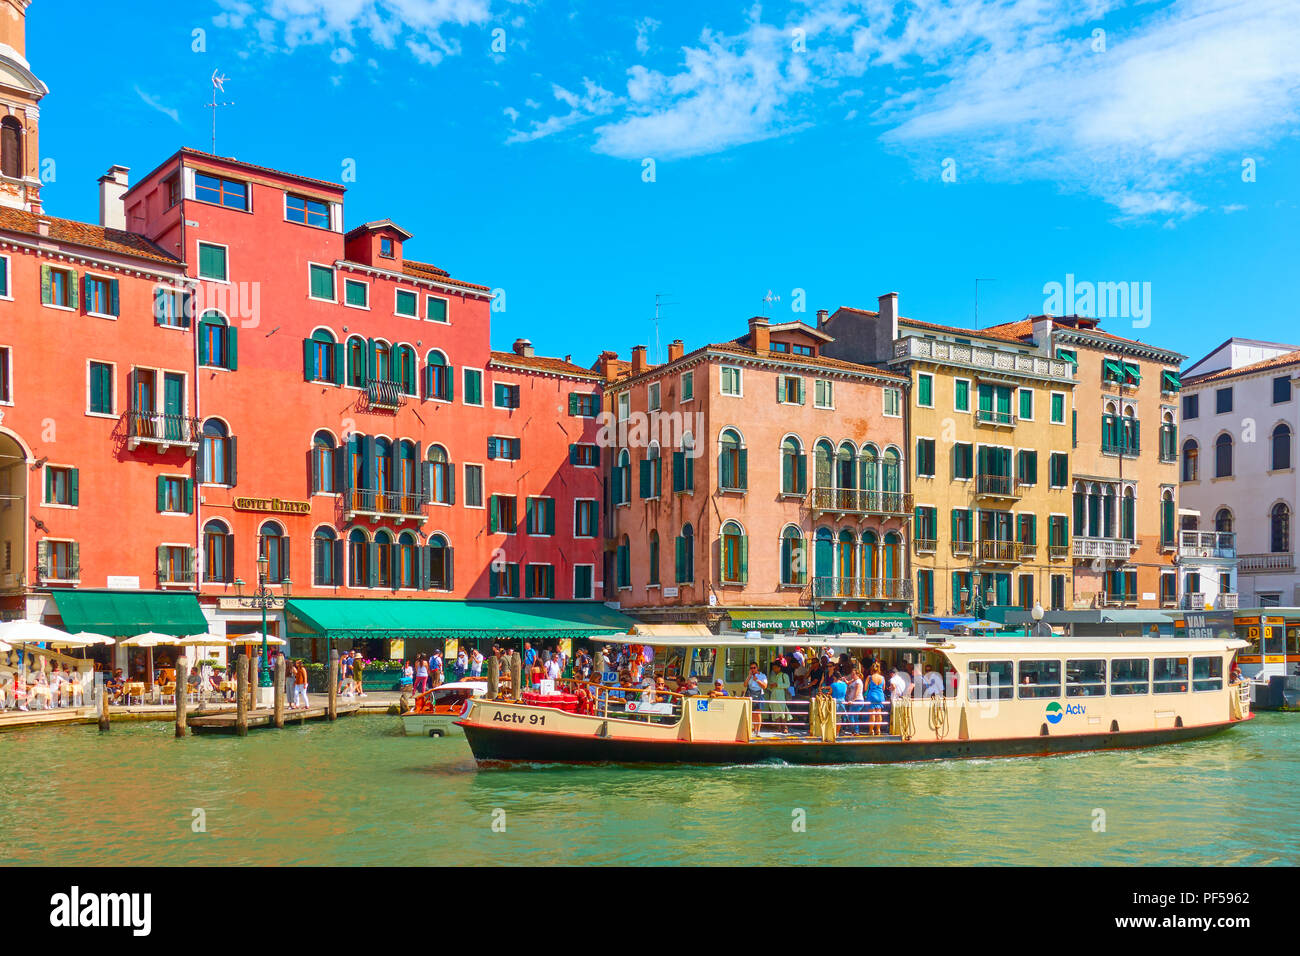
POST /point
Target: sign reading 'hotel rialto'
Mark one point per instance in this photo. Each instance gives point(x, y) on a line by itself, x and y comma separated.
point(273, 505)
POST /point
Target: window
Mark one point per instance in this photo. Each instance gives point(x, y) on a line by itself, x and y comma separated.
point(1223, 456)
point(652, 560)
point(503, 580)
point(1168, 532)
point(308, 212)
point(440, 476)
point(823, 393)
point(994, 405)
point(1025, 591)
point(325, 464)
point(584, 455)
point(406, 303)
point(1027, 467)
point(1130, 675)
point(1068, 355)
point(502, 514)
point(472, 379)
point(357, 361)
point(794, 558)
point(221, 192)
point(1058, 409)
point(59, 287)
point(212, 262)
point(1085, 678)
point(961, 395)
point(439, 377)
point(624, 406)
point(1057, 531)
point(1112, 371)
point(688, 386)
point(356, 294)
point(273, 544)
point(730, 380)
point(684, 467)
point(218, 342)
point(175, 564)
point(540, 581)
point(386, 247)
point(539, 516)
point(473, 486)
point(734, 553)
point(1191, 406)
point(217, 454)
point(623, 564)
point(11, 148)
point(963, 460)
point(1281, 389)
point(926, 531)
point(732, 462)
point(441, 573)
point(990, 680)
point(1120, 434)
point(620, 480)
point(1279, 528)
point(1039, 679)
point(794, 468)
point(322, 282)
point(359, 562)
point(586, 518)
point(1058, 469)
point(925, 390)
point(587, 405)
point(1207, 673)
point(652, 397)
point(171, 308)
point(61, 486)
point(321, 355)
point(925, 457)
point(101, 296)
point(435, 308)
point(326, 558)
point(505, 396)
point(1222, 400)
point(893, 403)
point(685, 557)
point(101, 389)
point(1191, 460)
point(218, 553)
point(583, 586)
point(961, 529)
point(650, 476)
point(175, 495)
point(1170, 675)
point(505, 449)
point(1281, 447)
point(1027, 404)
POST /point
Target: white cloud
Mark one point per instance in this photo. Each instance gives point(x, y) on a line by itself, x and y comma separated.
point(644, 27)
point(153, 102)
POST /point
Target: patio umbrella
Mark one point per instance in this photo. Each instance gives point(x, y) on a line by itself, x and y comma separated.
point(29, 632)
point(151, 639)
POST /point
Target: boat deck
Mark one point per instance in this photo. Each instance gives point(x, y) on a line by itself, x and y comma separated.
point(264, 717)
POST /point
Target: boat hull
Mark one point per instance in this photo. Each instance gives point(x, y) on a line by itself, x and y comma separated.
point(431, 725)
point(501, 746)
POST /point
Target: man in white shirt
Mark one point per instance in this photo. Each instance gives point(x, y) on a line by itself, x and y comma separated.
point(933, 682)
point(553, 669)
point(897, 685)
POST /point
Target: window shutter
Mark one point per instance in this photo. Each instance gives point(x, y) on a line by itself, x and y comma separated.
point(284, 557)
point(73, 289)
point(679, 470)
point(512, 573)
point(690, 473)
point(744, 469)
point(801, 477)
point(372, 553)
point(573, 452)
point(234, 471)
point(494, 516)
point(550, 516)
point(372, 360)
point(780, 392)
point(319, 550)
point(801, 393)
point(162, 494)
point(744, 558)
point(313, 470)
point(73, 492)
point(451, 485)
point(451, 383)
point(424, 559)
point(113, 306)
point(492, 448)
point(308, 360)
point(644, 466)
point(203, 343)
point(47, 286)
point(232, 348)
point(189, 496)
point(573, 403)
point(450, 572)
point(493, 585)
point(343, 465)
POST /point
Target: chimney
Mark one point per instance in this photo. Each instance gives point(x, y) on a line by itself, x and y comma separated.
point(676, 349)
point(43, 227)
point(1043, 333)
point(112, 189)
point(523, 347)
point(759, 338)
point(638, 359)
point(603, 364)
point(821, 318)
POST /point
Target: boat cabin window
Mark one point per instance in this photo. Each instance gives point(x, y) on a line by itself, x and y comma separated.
point(738, 659)
point(675, 658)
point(702, 660)
point(1085, 678)
point(1207, 673)
point(1130, 675)
point(1039, 679)
point(990, 680)
point(1170, 675)
point(1292, 641)
point(453, 695)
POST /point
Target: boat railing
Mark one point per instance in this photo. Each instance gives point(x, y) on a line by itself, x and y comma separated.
point(623, 702)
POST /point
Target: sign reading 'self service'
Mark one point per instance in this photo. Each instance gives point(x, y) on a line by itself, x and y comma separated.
point(274, 505)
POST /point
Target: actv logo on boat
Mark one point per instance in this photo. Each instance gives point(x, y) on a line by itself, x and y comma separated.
point(1055, 711)
point(76, 909)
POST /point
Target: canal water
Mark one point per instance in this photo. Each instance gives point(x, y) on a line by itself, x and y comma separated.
point(356, 792)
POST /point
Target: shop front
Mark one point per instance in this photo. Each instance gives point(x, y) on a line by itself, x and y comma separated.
point(123, 614)
point(819, 622)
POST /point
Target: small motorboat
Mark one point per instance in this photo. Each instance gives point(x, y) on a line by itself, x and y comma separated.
point(434, 712)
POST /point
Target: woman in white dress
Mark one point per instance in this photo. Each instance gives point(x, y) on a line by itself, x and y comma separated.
point(778, 692)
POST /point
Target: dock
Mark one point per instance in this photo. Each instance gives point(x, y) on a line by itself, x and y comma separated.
point(224, 722)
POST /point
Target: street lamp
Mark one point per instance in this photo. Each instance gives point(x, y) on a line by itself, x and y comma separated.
point(1040, 629)
point(263, 598)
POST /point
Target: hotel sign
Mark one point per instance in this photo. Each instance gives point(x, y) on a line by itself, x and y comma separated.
point(273, 505)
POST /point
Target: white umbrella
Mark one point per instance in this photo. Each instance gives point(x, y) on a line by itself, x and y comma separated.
point(5, 648)
point(150, 639)
point(80, 639)
point(206, 640)
point(256, 638)
point(29, 632)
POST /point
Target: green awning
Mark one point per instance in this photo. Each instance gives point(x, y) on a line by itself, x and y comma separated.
point(1068, 355)
point(1133, 370)
point(368, 618)
point(1112, 370)
point(821, 623)
point(1170, 381)
point(126, 613)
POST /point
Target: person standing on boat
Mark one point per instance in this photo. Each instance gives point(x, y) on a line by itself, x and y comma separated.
point(778, 690)
point(875, 700)
point(529, 656)
point(854, 702)
point(756, 690)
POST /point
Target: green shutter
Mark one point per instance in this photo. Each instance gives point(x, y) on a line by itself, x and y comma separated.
point(203, 343)
point(308, 360)
point(644, 468)
point(493, 588)
point(743, 477)
point(549, 516)
point(744, 558)
point(232, 348)
point(801, 392)
point(679, 471)
point(801, 483)
point(189, 496)
point(573, 403)
point(494, 516)
point(162, 493)
point(437, 308)
point(74, 289)
point(114, 306)
point(1026, 403)
point(47, 286)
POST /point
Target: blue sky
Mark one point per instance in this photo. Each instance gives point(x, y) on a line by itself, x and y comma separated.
point(795, 146)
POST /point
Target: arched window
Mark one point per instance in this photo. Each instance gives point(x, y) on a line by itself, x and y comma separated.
point(1128, 517)
point(406, 563)
point(404, 368)
point(358, 559)
point(685, 558)
point(1223, 520)
point(383, 466)
point(440, 563)
point(273, 545)
point(1281, 447)
point(1279, 528)
point(1080, 503)
point(218, 558)
point(824, 454)
point(823, 561)
point(357, 362)
point(382, 554)
point(653, 560)
point(1168, 520)
point(871, 560)
point(441, 480)
point(1108, 513)
point(846, 478)
point(324, 469)
point(732, 466)
point(382, 354)
point(734, 554)
point(623, 563)
point(870, 468)
point(623, 479)
point(216, 341)
point(794, 467)
point(217, 464)
point(1223, 456)
point(327, 558)
point(404, 481)
point(1191, 460)
point(847, 566)
point(438, 378)
point(794, 563)
point(652, 473)
point(11, 147)
point(891, 482)
point(321, 358)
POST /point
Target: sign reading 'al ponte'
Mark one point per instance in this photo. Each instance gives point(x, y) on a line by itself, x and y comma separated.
point(274, 505)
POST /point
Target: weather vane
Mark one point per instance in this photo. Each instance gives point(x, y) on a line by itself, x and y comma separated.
point(218, 86)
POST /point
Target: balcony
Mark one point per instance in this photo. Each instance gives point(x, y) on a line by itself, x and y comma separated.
point(1026, 551)
point(962, 547)
point(57, 572)
point(1116, 600)
point(384, 394)
point(1107, 549)
point(847, 501)
point(401, 505)
point(861, 589)
point(999, 552)
point(162, 430)
point(1194, 601)
point(1226, 602)
point(1206, 544)
point(983, 359)
point(997, 486)
point(1058, 552)
point(1265, 563)
point(994, 419)
point(926, 545)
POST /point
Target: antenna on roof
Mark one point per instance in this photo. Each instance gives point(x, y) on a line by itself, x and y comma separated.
point(977, 299)
point(661, 303)
point(768, 300)
point(218, 86)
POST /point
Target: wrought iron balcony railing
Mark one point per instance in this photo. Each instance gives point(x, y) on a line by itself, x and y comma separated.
point(145, 426)
point(1001, 552)
point(997, 486)
point(381, 393)
point(856, 501)
point(394, 504)
point(861, 589)
point(989, 416)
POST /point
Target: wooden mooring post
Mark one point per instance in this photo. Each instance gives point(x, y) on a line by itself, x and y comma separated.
point(333, 688)
point(102, 693)
point(516, 673)
point(279, 690)
point(494, 676)
point(182, 686)
point(241, 696)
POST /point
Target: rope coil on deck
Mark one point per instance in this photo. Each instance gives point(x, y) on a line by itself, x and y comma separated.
point(939, 716)
point(902, 718)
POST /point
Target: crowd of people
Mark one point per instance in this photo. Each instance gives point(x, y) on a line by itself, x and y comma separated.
point(42, 685)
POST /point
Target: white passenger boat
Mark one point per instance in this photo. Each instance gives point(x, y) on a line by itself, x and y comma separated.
point(435, 712)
